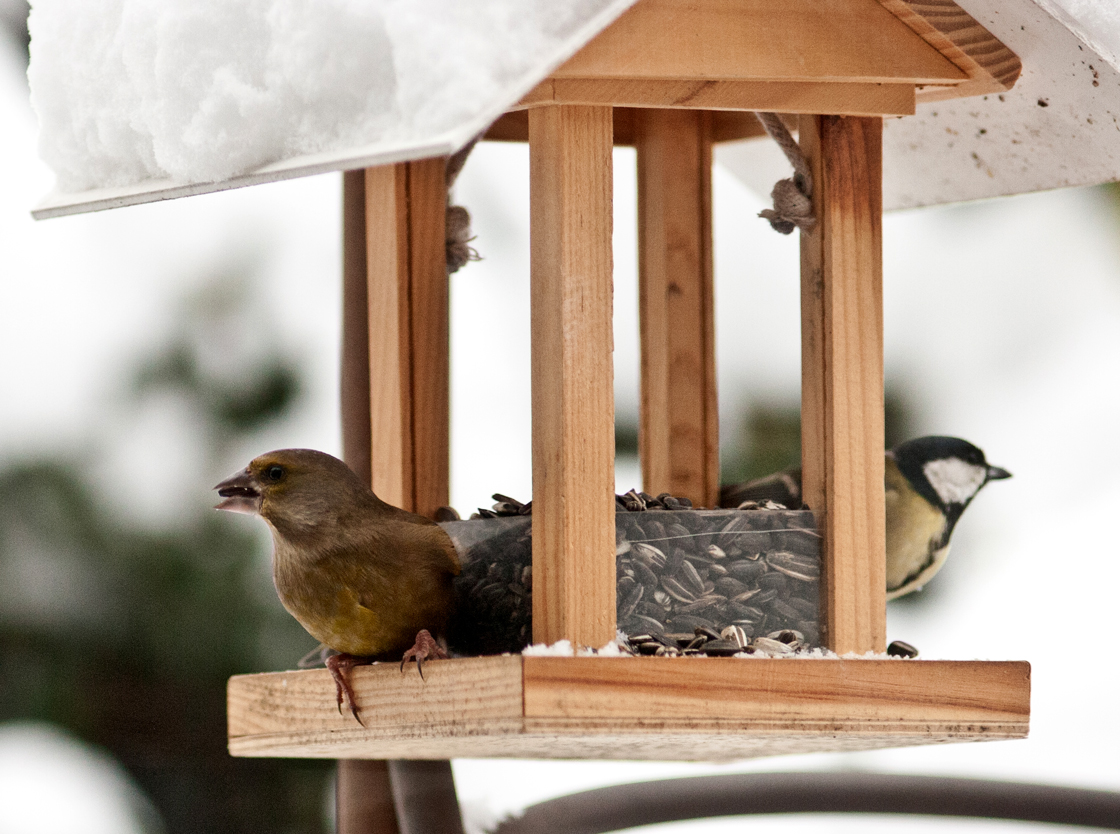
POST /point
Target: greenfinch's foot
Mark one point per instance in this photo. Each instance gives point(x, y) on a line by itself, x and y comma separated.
point(425, 648)
point(340, 666)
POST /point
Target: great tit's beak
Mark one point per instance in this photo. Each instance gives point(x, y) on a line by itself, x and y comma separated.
point(241, 492)
point(995, 473)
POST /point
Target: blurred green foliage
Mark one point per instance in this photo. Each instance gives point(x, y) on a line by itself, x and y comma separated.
point(768, 438)
point(126, 635)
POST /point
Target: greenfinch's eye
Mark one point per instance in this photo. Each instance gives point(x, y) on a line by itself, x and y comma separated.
point(274, 473)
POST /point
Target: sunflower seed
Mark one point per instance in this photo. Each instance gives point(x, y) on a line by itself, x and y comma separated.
point(735, 634)
point(690, 577)
point(677, 591)
point(771, 646)
point(795, 565)
point(746, 571)
point(901, 649)
point(649, 555)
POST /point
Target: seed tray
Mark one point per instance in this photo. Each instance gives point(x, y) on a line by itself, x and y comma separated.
point(688, 581)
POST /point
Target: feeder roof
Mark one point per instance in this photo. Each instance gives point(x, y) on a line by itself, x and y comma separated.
point(1059, 126)
point(143, 101)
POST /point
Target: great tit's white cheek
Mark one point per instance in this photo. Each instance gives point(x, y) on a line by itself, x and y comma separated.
point(955, 481)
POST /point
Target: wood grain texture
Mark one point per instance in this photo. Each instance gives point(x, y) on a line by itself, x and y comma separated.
point(727, 126)
point(630, 708)
point(363, 794)
point(571, 217)
point(387, 265)
point(843, 98)
point(408, 333)
point(451, 695)
point(731, 126)
point(354, 377)
point(623, 741)
point(990, 66)
point(679, 423)
point(789, 40)
point(842, 377)
point(429, 313)
point(784, 693)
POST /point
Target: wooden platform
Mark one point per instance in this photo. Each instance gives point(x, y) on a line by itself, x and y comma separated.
point(629, 708)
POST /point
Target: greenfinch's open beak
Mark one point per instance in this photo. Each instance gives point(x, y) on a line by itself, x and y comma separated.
point(241, 493)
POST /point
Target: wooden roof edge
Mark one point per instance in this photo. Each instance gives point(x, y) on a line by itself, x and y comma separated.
point(990, 65)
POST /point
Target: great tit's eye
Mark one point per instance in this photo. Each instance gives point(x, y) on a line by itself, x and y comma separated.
point(274, 473)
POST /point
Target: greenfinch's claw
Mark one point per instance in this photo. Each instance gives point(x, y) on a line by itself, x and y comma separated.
point(425, 648)
point(339, 666)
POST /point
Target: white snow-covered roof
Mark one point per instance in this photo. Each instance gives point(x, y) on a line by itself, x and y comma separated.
point(142, 100)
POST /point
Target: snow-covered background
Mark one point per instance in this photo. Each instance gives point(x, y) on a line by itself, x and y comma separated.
point(1002, 325)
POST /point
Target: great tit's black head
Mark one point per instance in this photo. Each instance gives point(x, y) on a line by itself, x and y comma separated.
point(946, 471)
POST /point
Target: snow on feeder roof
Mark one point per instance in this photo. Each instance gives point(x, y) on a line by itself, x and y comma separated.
point(140, 101)
point(144, 101)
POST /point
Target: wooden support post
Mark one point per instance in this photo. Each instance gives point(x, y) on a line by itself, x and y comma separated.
point(573, 398)
point(354, 376)
point(365, 798)
point(408, 333)
point(395, 390)
point(363, 794)
point(424, 797)
point(842, 376)
point(679, 432)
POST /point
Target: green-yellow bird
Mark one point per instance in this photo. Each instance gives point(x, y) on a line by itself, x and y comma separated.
point(369, 580)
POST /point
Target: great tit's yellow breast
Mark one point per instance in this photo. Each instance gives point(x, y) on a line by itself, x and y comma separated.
point(912, 524)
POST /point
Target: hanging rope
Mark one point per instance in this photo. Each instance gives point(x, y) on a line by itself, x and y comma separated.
point(793, 198)
point(457, 219)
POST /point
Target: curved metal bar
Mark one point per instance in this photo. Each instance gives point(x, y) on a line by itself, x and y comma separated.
point(647, 803)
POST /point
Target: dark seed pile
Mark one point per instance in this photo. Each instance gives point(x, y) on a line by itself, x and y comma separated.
point(713, 582)
point(705, 641)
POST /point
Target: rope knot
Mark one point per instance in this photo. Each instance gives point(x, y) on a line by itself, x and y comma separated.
point(457, 220)
point(793, 208)
point(458, 236)
point(793, 197)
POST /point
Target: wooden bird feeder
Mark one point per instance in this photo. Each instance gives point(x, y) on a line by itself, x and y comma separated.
point(671, 78)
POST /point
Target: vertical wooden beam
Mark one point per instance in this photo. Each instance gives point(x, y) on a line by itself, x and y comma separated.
point(363, 794)
point(424, 797)
point(842, 376)
point(430, 336)
point(570, 174)
point(408, 333)
point(679, 431)
point(390, 394)
point(354, 377)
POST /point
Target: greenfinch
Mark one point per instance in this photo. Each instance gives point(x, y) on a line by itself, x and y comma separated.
point(366, 579)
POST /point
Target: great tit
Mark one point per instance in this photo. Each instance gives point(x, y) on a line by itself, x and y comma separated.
point(929, 482)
